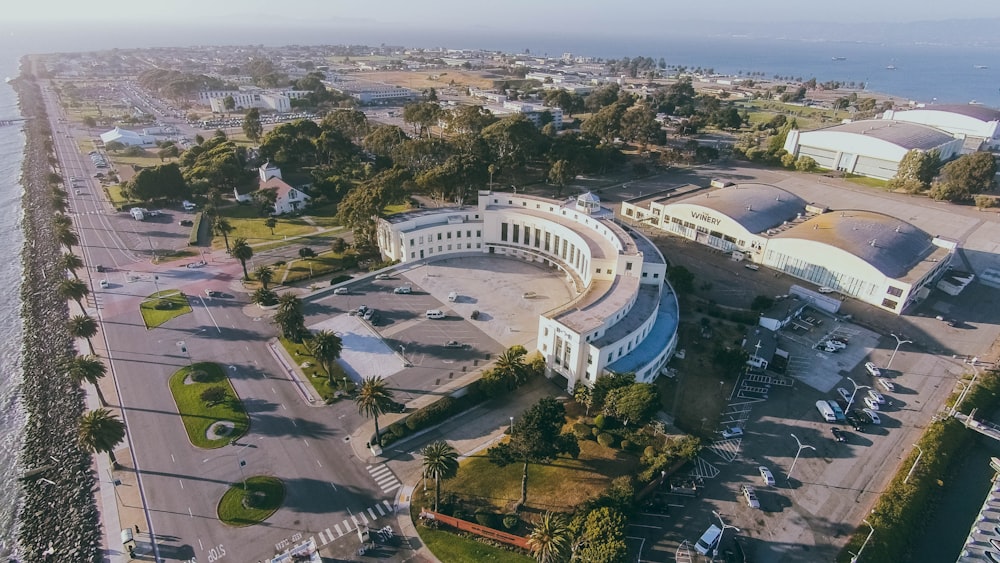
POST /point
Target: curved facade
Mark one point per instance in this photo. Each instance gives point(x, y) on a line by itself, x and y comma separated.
point(624, 317)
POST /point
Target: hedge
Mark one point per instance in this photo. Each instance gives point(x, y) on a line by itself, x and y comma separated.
point(195, 229)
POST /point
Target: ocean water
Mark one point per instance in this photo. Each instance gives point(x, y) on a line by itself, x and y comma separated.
point(11, 415)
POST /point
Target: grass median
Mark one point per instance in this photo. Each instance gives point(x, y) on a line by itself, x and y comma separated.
point(261, 498)
point(210, 422)
point(162, 306)
point(300, 354)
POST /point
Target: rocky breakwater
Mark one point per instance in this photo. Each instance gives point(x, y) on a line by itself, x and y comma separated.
point(57, 518)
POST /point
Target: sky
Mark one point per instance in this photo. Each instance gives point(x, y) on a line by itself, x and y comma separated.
point(588, 16)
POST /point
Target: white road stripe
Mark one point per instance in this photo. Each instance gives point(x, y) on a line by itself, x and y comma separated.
point(379, 508)
point(347, 525)
point(355, 519)
point(372, 513)
point(387, 505)
point(362, 515)
point(392, 488)
point(339, 533)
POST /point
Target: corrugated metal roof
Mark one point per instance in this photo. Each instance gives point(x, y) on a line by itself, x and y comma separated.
point(900, 133)
point(976, 111)
point(757, 207)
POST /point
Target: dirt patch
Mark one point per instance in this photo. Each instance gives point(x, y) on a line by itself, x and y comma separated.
point(220, 429)
point(448, 78)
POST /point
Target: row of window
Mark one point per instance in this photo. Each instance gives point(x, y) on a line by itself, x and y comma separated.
point(553, 244)
point(441, 248)
point(447, 235)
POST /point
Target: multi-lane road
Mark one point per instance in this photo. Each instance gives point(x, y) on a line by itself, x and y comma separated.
point(329, 490)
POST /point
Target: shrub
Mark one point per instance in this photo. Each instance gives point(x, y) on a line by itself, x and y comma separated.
point(626, 444)
point(650, 451)
point(431, 414)
point(595, 431)
point(195, 229)
point(486, 518)
point(581, 431)
point(213, 395)
point(600, 421)
point(605, 439)
point(510, 521)
point(338, 279)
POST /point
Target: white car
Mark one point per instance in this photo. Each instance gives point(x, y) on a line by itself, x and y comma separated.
point(105, 284)
point(876, 396)
point(766, 475)
point(341, 291)
point(403, 290)
point(825, 289)
point(734, 432)
point(383, 277)
point(844, 393)
point(872, 369)
point(871, 403)
point(886, 384)
point(836, 344)
point(873, 416)
point(750, 495)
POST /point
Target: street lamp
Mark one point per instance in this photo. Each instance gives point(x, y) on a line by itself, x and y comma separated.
point(721, 534)
point(510, 429)
point(855, 392)
point(801, 447)
point(854, 559)
point(898, 344)
point(967, 387)
point(240, 463)
point(915, 462)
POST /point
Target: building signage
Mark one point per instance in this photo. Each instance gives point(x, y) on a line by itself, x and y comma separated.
point(705, 217)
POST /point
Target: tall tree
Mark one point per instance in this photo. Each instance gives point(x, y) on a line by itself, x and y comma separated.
point(271, 223)
point(601, 536)
point(229, 103)
point(535, 437)
point(72, 288)
point(252, 127)
point(289, 317)
point(915, 172)
point(264, 275)
point(440, 461)
point(242, 251)
point(636, 403)
point(550, 539)
point(510, 366)
point(967, 175)
point(101, 431)
point(88, 369)
point(72, 262)
point(223, 227)
point(374, 399)
point(67, 237)
point(326, 347)
point(83, 326)
point(158, 182)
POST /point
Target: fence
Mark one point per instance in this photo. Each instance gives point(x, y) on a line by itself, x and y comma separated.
point(509, 539)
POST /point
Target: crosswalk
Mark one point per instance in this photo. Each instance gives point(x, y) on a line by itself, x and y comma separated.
point(362, 518)
point(384, 478)
point(726, 449)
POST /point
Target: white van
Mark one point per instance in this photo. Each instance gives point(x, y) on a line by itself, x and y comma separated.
point(453, 296)
point(188, 206)
point(826, 411)
point(434, 314)
point(708, 540)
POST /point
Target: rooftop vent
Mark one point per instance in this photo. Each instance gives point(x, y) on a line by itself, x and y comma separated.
point(873, 243)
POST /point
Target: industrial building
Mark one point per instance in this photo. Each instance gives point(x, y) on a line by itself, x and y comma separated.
point(979, 125)
point(867, 255)
point(624, 317)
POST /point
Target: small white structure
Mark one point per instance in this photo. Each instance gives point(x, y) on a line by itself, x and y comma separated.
point(127, 138)
point(289, 199)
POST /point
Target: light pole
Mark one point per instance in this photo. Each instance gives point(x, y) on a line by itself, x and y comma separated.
point(896, 349)
point(801, 447)
point(855, 392)
point(965, 391)
point(239, 462)
point(510, 429)
point(915, 462)
point(721, 534)
point(854, 559)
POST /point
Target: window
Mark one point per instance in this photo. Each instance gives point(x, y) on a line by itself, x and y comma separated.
point(468, 234)
point(439, 248)
point(628, 212)
point(628, 266)
point(548, 237)
point(449, 234)
point(527, 236)
point(479, 234)
point(598, 271)
point(644, 274)
point(889, 303)
point(458, 234)
point(895, 291)
point(517, 233)
point(439, 236)
point(503, 232)
point(413, 255)
point(509, 202)
point(411, 242)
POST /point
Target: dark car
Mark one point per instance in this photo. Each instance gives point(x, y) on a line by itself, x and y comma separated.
point(101, 268)
point(186, 223)
point(474, 315)
point(855, 420)
point(396, 406)
point(838, 435)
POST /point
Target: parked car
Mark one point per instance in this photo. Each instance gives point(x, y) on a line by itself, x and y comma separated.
point(100, 268)
point(871, 403)
point(856, 421)
point(872, 369)
point(766, 475)
point(734, 432)
point(186, 223)
point(105, 284)
point(825, 289)
point(886, 384)
point(876, 396)
point(383, 277)
point(453, 344)
point(474, 315)
point(362, 310)
point(873, 416)
point(844, 393)
point(341, 291)
point(838, 435)
point(403, 290)
point(213, 293)
point(368, 314)
point(750, 495)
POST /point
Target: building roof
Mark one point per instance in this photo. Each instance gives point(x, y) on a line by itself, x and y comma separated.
point(900, 133)
point(757, 207)
point(975, 111)
point(278, 184)
point(890, 245)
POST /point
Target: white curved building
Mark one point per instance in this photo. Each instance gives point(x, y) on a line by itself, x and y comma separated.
point(624, 317)
point(870, 256)
point(872, 147)
point(978, 124)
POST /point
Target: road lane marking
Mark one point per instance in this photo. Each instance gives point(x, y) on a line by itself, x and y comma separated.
point(334, 486)
point(380, 511)
point(362, 515)
point(191, 514)
point(355, 519)
point(273, 391)
point(339, 533)
point(387, 505)
point(347, 525)
point(181, 482)
point(200, 546)
point(172, 458)
point(372, 514)
point(283, 407)
point(306, 442)
point(318, 463)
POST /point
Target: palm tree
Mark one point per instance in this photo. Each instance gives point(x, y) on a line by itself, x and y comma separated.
point(72, 262)
point(264, 297)
point(60, 221)
point(222, 227)
point(264, 275)
point(70, 288)
point(289, 317)
point(242, 251)
point(440, 462)
point(101, 431)
point(88, 369)
point(510, 366)
point(67, 237)
point(549, 540)
point(374, 399)
point(326, 347)
point(83, 326)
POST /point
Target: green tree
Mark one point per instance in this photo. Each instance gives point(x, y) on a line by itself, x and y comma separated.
point(83, 326)
point(681, 279)
point(72, 262)
point(601, 536)
point(513, 141)
point(214, 395)
point(560, 173)
point(264, 297)
point(252, 127)
point(223, 227)
point(606, 124)
point(229, 103)
point(72, 288)
point(271, 223)
point(289, 317)
point(158, 182)
point(440, 461)
point(535, 437)
point(635, 403)
point(605, 384)
point(101, 431)
point(510, 366)
point(916, 171)
point(421, 115)
point(264, 275)
point(967, 175)
point(374, 399)
point(242, 251)
point(326, 347)
point(67, 237)
point(550, 539)
point(88, 369)
point(583, 394)
point(114, 146)
point(306, 252)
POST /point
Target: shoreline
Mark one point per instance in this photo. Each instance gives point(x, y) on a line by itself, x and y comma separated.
point(59, 514)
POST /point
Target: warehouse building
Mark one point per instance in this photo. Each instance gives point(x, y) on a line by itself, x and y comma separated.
point(624, 317)
point(870, 256)
point(872, 147)
point(979, 125)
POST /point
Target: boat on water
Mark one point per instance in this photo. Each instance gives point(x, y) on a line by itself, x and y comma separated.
point(891, 67)
point(980, 67)
point(8, 80)
point(839, 58)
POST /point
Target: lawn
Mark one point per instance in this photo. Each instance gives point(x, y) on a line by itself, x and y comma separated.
point(558, 486)
point(449, 546)
point(869, 182)
point(162, 306)
point(267, 493)
point(187, 385)
point(117, 198)
point(145, 161)
point(248, 223)
point(308, 268)
point(315, 374)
